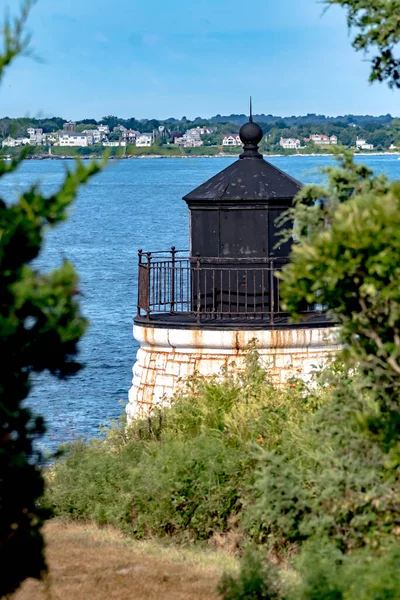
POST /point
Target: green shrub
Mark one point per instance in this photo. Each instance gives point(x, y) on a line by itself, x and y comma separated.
point(187, 470)
point(40, 326)
point(256, 581)
point(325, 573)
point(330, 478)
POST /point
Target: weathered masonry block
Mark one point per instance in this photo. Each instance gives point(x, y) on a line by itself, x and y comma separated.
point(285, 354)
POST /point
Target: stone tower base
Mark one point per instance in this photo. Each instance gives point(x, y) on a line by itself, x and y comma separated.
point(168, 356)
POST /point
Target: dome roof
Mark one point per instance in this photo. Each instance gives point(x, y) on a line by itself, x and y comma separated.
point(247, 180)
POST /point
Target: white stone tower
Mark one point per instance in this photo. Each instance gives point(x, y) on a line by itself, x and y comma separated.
point(198, 312)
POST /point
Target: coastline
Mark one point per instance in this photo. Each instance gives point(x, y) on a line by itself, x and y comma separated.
point(163, 156)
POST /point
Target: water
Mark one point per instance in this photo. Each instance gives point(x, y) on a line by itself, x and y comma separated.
point(132, 204)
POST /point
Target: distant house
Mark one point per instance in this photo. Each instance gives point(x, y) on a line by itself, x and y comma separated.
point(193, 134)
point(130, 135)
point(321, 139)
point(231, 139)
point(190, 139)
point(144, 139)
point(190, 143)
point(10, 142)
point(31, 131)
point(104, 129)
point(69, 126)
point(94, 136)
point(73, 139)
point(392, 147)
point(108, 144)
point(205, 130)
point(35, 136)
point(89, 136)
point(51, 138)
point(289, 143)
point(362, 144)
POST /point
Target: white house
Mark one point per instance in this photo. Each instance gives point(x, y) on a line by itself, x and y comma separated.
point(130, 135)
point(363, 145)
point(190, 139)
point(89, 136)
point(51, 138)
point(71, 138)
point(35, 135)
point(144, 139)
point(10, 142)
point(321, 139)
point(114, 144)
point(94, 136)
point(204, 130)
point(231, 139)
point(190, 143)
point(193, 134)
point(104, 129)
point(289, 143)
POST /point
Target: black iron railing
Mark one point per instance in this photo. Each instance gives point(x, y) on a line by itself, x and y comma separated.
point(206, 289)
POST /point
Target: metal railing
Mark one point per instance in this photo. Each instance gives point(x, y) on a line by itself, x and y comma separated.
point(204, 289)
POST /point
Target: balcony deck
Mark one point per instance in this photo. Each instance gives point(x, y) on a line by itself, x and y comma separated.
point(215, 293)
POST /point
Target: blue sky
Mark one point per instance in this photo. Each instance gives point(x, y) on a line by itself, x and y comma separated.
point(163, 58)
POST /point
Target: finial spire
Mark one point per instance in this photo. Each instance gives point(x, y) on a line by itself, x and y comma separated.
point(251, 112)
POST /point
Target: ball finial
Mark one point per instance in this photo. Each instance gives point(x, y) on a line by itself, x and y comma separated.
point(251, 135)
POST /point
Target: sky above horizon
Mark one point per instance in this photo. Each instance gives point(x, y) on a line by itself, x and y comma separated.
point(170, 58)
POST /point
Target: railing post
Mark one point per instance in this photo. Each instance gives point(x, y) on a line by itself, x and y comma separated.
point(148, 256)
point(272, 292)
point(198, 286)
point(140, 254)
point(173, 253)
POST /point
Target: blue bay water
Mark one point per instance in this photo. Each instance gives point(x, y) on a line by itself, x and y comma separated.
point(132, 204)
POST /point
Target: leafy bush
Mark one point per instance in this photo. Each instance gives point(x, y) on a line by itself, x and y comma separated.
point(325, 573)
point(40, 325)
point(329, 478)
point(347, 259)
point(188, 470)
point(256, 581)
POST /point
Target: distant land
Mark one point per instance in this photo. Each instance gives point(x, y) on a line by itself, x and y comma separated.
point(303, 134)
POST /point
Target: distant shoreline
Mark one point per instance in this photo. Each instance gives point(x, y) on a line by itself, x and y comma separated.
point(163, 156)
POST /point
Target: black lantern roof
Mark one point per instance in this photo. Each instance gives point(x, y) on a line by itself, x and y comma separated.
point(249, 178)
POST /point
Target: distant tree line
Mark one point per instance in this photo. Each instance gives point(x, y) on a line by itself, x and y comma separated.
point(381, 131)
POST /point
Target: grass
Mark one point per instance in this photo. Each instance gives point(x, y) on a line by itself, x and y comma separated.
point(86, 561)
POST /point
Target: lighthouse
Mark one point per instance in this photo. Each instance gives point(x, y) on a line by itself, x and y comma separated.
point(198, 311)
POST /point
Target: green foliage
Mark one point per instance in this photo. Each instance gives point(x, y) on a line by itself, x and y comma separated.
point(256, 581)
point(325, 573)
point(40, 325)
point(188, 470)
point(347, 259)
point(379, 32)
point(328, 478)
